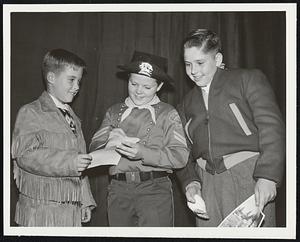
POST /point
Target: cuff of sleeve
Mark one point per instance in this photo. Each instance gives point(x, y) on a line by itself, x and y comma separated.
point(193, 183)
point(150, 156)
point(73, 166)
point(92, 206)
point(277, 181)
point(270, 179)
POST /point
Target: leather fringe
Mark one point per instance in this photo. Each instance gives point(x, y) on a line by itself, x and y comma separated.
point(59, 189)
point(32, 213)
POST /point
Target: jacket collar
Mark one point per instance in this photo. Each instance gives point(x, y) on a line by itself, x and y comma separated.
point(47, 103)
point(217, 82)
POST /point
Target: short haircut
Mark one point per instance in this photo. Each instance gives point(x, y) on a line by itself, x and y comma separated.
point(56, 60)
point(203, 38)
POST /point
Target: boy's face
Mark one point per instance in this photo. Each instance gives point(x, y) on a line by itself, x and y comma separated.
point(65, 84)
point(142, 89)
point(200, 66)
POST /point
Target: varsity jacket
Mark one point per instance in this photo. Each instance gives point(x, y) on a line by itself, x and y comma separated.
point(242, 115)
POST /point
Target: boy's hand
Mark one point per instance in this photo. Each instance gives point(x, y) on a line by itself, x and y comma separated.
point(195, 201)
point(86, 214)
point(84, 160)
point(199, 207)
point(130, 150)
point(116, 136)
point(265, 191)
point(191, 190)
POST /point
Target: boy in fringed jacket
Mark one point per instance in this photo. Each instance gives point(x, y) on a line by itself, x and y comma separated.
point(49, 150)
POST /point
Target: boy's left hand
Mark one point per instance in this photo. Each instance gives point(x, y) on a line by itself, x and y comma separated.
point(86, 214)
point(130, 150)
point(265, 191)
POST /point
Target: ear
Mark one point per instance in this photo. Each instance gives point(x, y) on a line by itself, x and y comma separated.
point(51, 77)
point(159, 86)
point(219, 59)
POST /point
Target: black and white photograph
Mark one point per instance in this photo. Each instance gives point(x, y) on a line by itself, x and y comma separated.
point(149, 120)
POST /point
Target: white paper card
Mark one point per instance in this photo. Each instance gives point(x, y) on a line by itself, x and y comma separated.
point(104, 157)
point(198, 207)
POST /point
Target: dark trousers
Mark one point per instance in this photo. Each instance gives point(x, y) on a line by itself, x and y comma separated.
point(143, 204)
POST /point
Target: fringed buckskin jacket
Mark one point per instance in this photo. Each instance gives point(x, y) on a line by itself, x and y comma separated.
point(44, 149)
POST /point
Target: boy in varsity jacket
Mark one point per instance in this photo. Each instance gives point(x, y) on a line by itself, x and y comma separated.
point(235, 131)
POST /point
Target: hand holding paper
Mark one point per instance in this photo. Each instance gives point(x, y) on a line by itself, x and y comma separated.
point(117, 136)
point(108, 155)
point(83, 161)
point(130, 149)
point(198, 207)
point(265, 191)
point(104, 157)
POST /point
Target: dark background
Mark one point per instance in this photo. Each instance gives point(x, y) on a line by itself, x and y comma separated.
point(105, 40)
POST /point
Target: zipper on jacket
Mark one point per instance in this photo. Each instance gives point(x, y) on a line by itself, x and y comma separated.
point(209, 141)
point(209, 138)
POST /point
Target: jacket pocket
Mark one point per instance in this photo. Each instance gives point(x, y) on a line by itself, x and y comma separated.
point(186, 129)
point(237, 114)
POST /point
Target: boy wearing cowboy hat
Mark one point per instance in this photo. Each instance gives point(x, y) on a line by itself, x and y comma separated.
point(140, 191)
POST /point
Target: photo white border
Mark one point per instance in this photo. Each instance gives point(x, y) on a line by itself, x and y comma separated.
point(288, 232)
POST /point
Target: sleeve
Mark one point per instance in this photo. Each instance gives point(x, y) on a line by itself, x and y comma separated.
point(187, 174)
point(101, 136)
point(32, 150)
point(271, 131)
point(174, 153)
point(87, 199)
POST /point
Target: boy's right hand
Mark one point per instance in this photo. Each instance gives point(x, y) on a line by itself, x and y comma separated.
point(198, 207)
point(116, 136)
point(195, 201)
point(83, 161)
point(191, 190)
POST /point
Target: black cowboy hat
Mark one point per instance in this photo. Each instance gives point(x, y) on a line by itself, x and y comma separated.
point(148, 65)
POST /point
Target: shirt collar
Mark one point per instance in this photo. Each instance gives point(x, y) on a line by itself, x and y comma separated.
point(206, 88)
point(130, 104)
point(58, 103)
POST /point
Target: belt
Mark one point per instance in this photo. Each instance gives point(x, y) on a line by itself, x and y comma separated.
point(135, 176)
point(230, 160)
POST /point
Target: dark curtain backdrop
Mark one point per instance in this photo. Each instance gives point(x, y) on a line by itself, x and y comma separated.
point(105, 40)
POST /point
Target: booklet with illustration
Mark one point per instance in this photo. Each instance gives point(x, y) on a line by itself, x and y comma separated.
point(245, 215)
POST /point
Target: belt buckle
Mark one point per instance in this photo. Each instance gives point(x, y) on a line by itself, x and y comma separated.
point(132, 177)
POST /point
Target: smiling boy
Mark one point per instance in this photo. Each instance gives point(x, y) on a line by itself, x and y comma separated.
point(140, 191)
point(235, 130)
point(49, 152)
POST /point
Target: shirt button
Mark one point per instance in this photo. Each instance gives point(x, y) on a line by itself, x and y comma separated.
point(151, 122)
point(120, 114)
point(148, 129)
point(144, 142)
